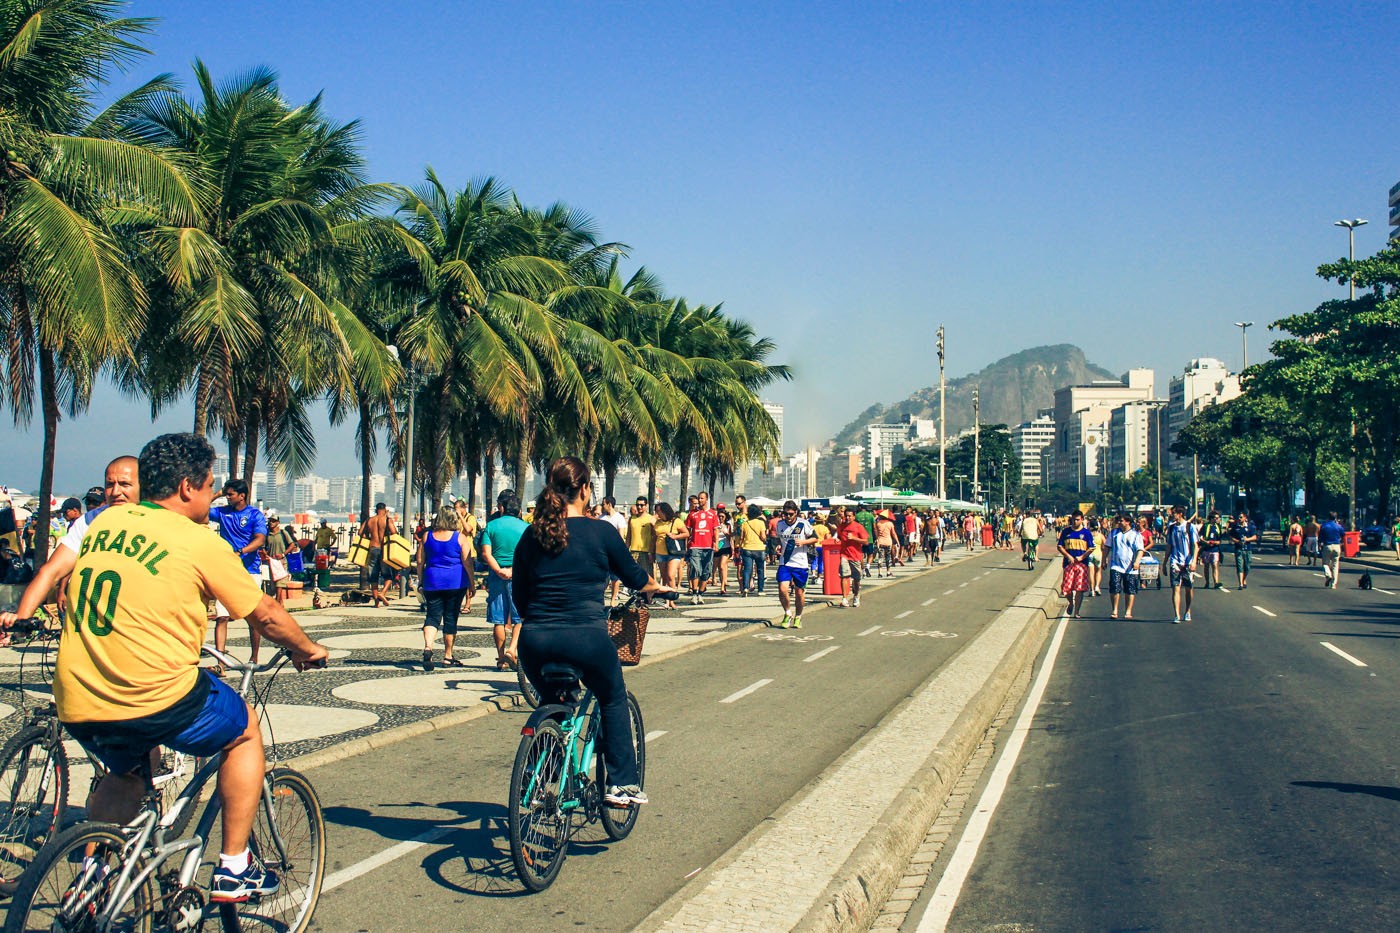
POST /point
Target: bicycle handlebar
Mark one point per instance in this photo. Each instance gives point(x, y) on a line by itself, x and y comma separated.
point(231, 663)
point(27, 627)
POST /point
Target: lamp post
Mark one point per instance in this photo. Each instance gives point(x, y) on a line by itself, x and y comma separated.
point(942, 413)
point(976, 440)
point(960, 477)
point(1351, 226)
point(1003, 484)
point(1244, 327)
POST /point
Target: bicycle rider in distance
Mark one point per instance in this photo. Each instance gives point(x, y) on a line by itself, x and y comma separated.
point(127, 678)
point(560, 574)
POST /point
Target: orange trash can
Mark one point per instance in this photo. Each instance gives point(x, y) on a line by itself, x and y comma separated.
point(987, 532)
point(1351, 543)
point(831, 567)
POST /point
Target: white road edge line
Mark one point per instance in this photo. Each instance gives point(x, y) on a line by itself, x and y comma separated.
point(747, 690)
point(1266, 612)
point(1379, 590)
point(379, 859)
point(905, 613)
point(655, 734)
point(1335, 650)
point(870, 631)
point(1223, 589)
point(820, 654)
point(930, 600)
point(945, 896)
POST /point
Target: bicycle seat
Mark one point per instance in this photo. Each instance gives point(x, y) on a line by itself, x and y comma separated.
point(562, 680)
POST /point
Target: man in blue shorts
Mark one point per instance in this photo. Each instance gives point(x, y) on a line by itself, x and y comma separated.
point(1183, 548)
point(1125, 550)
point(795, 533)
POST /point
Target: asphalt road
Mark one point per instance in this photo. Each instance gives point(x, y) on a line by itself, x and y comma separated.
point(715, 770)
point(1231, 773)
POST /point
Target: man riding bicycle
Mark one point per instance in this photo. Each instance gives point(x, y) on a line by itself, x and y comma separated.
point(127, 677)
point(1030, 536)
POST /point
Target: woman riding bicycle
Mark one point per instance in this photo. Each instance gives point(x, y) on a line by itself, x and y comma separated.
point(561, 569)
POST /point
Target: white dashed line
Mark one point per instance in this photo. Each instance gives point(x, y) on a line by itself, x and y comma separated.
point(1335, 650)
point(963, 584)
point(351, 872)
point(734, 697)
point(905, 613)
point(929, 601)
point(652, 736)
point(869, 631)
point(949, 592)
point(1223, 589)
point(820, 654)
point(1266, 612)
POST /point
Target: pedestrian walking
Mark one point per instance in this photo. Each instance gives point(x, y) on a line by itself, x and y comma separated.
point(670, 535)
point(641, 534)
point(1294, 540)
point(795, 535)
point(1183, 546)
point(499, 540)
point(378, 528)
point(753, 542)
point(884, 544)
point(1329, 535)
point(1096, 554)
point(700, 559)
point(854, 540)
point(724, 532)
point(1245, 535)
point(610, 514)
point(1075, 543)
point(1125, 551)
point(1211, 537)
point(244, 527)
point(444, 566)
point(1311, 549)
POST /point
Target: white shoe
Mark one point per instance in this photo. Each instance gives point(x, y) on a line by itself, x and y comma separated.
point(856, 602)
point(695, 599)
point(844, 604)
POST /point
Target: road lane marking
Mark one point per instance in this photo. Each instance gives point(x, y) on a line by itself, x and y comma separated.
point(733, 697)
point(949, 592)
point(873, 628)
point(963, 584)
point(906, 613)
point(380, 859)
point(930, 600)
point(945, 896)
point(1266, 612)
point(1379, 590)
point(655, 734)
point(1335, 650)
point(1222, 589)
point(820, 654)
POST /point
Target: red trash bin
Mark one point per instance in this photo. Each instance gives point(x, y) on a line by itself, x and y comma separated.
point(987, 532)
point(1351, 543)
point(831, 567)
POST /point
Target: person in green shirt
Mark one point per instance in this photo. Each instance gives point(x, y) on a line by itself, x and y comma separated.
point(866, 518)
point(498, 542)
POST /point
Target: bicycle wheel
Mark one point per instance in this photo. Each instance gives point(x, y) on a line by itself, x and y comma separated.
point(618, 821)
point(527, 689)
point(299, 863)
point(65, 888)
point(539, 827)
point(33, 799)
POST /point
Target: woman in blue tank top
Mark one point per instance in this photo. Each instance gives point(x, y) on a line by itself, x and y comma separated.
point(443, 582)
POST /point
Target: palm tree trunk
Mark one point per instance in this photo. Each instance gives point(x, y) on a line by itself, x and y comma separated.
point(203, 389)
point(488, 472)
point(234, 442)
point(251, 434)
point(472, 473)
point(651, 485)
point(365, 436)
point(684, 462)
point(48, 389)
point(522, 454)
point(609, 474)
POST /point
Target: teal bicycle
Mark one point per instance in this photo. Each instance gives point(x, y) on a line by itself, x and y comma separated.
point(551, 791)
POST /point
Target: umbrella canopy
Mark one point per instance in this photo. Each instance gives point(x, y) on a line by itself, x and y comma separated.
point(763, 502)
point(888, 495)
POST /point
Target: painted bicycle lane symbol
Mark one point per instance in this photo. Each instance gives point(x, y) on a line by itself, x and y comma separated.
point(773, 636)
point(900, 633)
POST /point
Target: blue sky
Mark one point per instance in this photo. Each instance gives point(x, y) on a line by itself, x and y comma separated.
point(1128, 177)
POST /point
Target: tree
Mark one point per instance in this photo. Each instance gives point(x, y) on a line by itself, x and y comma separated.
point(70, 302)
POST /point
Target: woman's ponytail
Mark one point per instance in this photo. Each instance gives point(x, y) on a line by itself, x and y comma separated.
point(566, 478)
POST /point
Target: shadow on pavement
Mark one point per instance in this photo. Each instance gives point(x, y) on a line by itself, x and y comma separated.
point(1372, 790)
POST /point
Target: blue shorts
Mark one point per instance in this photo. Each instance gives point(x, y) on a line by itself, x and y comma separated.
point(796, 575)
point(500, 601)
point(123, 746)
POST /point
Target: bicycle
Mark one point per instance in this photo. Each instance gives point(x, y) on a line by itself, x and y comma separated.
point(35, 776)
point(1028, 553)
point(550, 791)
point(104, 877)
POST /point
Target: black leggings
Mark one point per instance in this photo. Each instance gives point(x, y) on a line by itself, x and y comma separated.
point(444, 609)
point(588, 648)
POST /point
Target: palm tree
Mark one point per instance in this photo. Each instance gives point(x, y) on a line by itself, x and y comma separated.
point(69, 299)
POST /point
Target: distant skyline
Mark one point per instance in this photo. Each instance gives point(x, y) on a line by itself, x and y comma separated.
point(1131, 178)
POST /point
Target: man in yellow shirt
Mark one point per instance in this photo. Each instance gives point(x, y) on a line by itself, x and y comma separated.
point(127, 677)
point(641, 533)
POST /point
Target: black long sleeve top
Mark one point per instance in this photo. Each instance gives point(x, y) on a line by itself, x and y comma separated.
point(567, 588)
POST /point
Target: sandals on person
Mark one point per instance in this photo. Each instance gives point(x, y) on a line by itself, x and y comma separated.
point(502, 664)
point(451, 662)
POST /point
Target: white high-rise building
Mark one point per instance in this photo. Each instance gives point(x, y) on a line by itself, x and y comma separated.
point(1132, 437)
point(775, 411)
point(1204, 382)
point(1028, 439)
point(1081, 425)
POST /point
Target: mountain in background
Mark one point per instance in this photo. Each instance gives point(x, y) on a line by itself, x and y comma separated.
point(1013, 388)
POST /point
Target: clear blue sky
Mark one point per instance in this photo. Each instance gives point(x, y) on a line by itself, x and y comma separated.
point(1128, 177)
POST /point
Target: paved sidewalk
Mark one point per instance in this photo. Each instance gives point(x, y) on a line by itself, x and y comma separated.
point(375, 688)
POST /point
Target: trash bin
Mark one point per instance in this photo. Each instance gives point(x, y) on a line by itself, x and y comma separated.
point(1351, 543)
point(831, 567)
point(987, 532)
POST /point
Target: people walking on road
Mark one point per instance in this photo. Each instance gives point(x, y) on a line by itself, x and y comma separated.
point(795, 535)
point(854, 539)
point(1330, 537)
point(1183, 546)
point(1125, 551)
point(753, 538)
point(1096, 554)
point(867, 521)
point(444, 566)
point(499, 539)
point(378, 529)
point(244, 527)
point(884, 544)
point(969, 529)
point(670, 534)
point(702, 524)
point(1211, 537)
point(641, 534)
point(1075, 543)
point(1395, 535)
point(1293, 541)
point(1245, 535)
point(724, 537)
point(1311, 549)
point(280, 540)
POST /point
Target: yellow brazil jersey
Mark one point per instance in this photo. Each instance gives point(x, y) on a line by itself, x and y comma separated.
point(136, 612)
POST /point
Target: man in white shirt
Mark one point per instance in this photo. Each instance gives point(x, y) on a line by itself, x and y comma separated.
point(1183, 547)
point(1125, 550)
point(1030, 534)
point(619, 521)
point(794, 534)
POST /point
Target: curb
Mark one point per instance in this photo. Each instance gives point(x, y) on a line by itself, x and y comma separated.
point(509, 701)
point(854, 899)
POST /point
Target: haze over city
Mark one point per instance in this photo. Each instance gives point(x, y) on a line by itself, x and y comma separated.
point(1126, 177)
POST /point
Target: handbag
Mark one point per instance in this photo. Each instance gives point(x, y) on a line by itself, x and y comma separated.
point(277, 569)
point(294, 562)
point(675, 547)
point(627, 627)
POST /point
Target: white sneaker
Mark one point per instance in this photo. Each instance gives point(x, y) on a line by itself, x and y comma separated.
point(844, 604)
point(695, 599)
point(856, 602)
point(1186, 618)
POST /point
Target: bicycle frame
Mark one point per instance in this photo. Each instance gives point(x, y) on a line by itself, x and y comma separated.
point(579, 749)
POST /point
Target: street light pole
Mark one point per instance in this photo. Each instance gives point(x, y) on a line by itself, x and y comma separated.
point(1003, 483)
point(976, 439)
point(942, 419)
point(1351, 226)
point(1244, 327)
point(960, 477)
